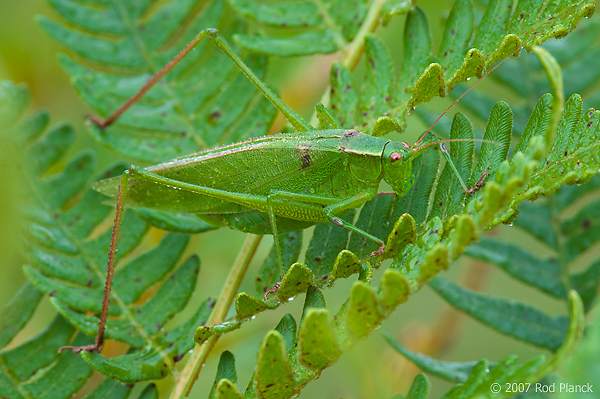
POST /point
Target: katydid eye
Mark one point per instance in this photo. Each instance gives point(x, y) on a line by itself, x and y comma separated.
point(406, 145)
point(395, 156)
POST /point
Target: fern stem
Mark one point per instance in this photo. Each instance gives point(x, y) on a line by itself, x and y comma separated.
point(189, 374)
point(356, 48)
point(563, 263)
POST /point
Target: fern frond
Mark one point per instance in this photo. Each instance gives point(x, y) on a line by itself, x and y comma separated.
point(59, 220)
point(67, 258)
point(424, 76)
point(441, 224)
point(482, 378)
point(203, 102)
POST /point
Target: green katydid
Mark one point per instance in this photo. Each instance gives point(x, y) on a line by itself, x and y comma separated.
point(271, 184)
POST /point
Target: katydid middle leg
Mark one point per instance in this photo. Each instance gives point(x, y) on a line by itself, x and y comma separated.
point(333, 208)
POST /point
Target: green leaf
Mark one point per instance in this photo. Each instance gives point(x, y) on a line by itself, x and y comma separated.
point(457, 35)
point(110, 389)
point(451, 371)
point(225, 371)
point(419, 389)
point(17, 312)
point(512, 318)
point(318, 344)
point(543, 274)
point(274, 378)
point(56, 375)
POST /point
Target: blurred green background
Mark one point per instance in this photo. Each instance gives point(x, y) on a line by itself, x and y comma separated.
point(372, 369)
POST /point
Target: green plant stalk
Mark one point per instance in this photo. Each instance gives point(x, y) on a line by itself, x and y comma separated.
point(189, 374)
point(563, 264)
point(352, 54)
point(574, 335)
point(554, 73)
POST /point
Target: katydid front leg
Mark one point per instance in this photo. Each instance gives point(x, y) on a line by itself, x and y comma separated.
point(469, 191)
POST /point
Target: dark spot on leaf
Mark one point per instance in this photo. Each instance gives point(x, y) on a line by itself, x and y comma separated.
point(521, 15)
point(590, 123)
point(440, 203)
point(214, 117)
point(178, 357)
point(158, 326)
point(587, 224)
point(138, 311)
point(453, 31)
point(348, 87)
point(372, 62)
point(566, 153)
point(52, 293)
point(89, 283)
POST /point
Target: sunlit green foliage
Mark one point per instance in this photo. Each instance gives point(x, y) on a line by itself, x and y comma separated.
point(114, 48)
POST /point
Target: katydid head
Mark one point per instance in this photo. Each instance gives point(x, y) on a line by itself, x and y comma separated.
point(397, 165)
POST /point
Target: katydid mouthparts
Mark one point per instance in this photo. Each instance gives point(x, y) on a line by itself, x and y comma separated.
point(267, 185)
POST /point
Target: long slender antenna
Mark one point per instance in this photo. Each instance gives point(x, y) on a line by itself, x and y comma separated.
point(468, 90)
point(452, 141)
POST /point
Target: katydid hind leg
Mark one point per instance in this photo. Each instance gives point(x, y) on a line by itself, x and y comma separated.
point(112, 256)
point(295, 120)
